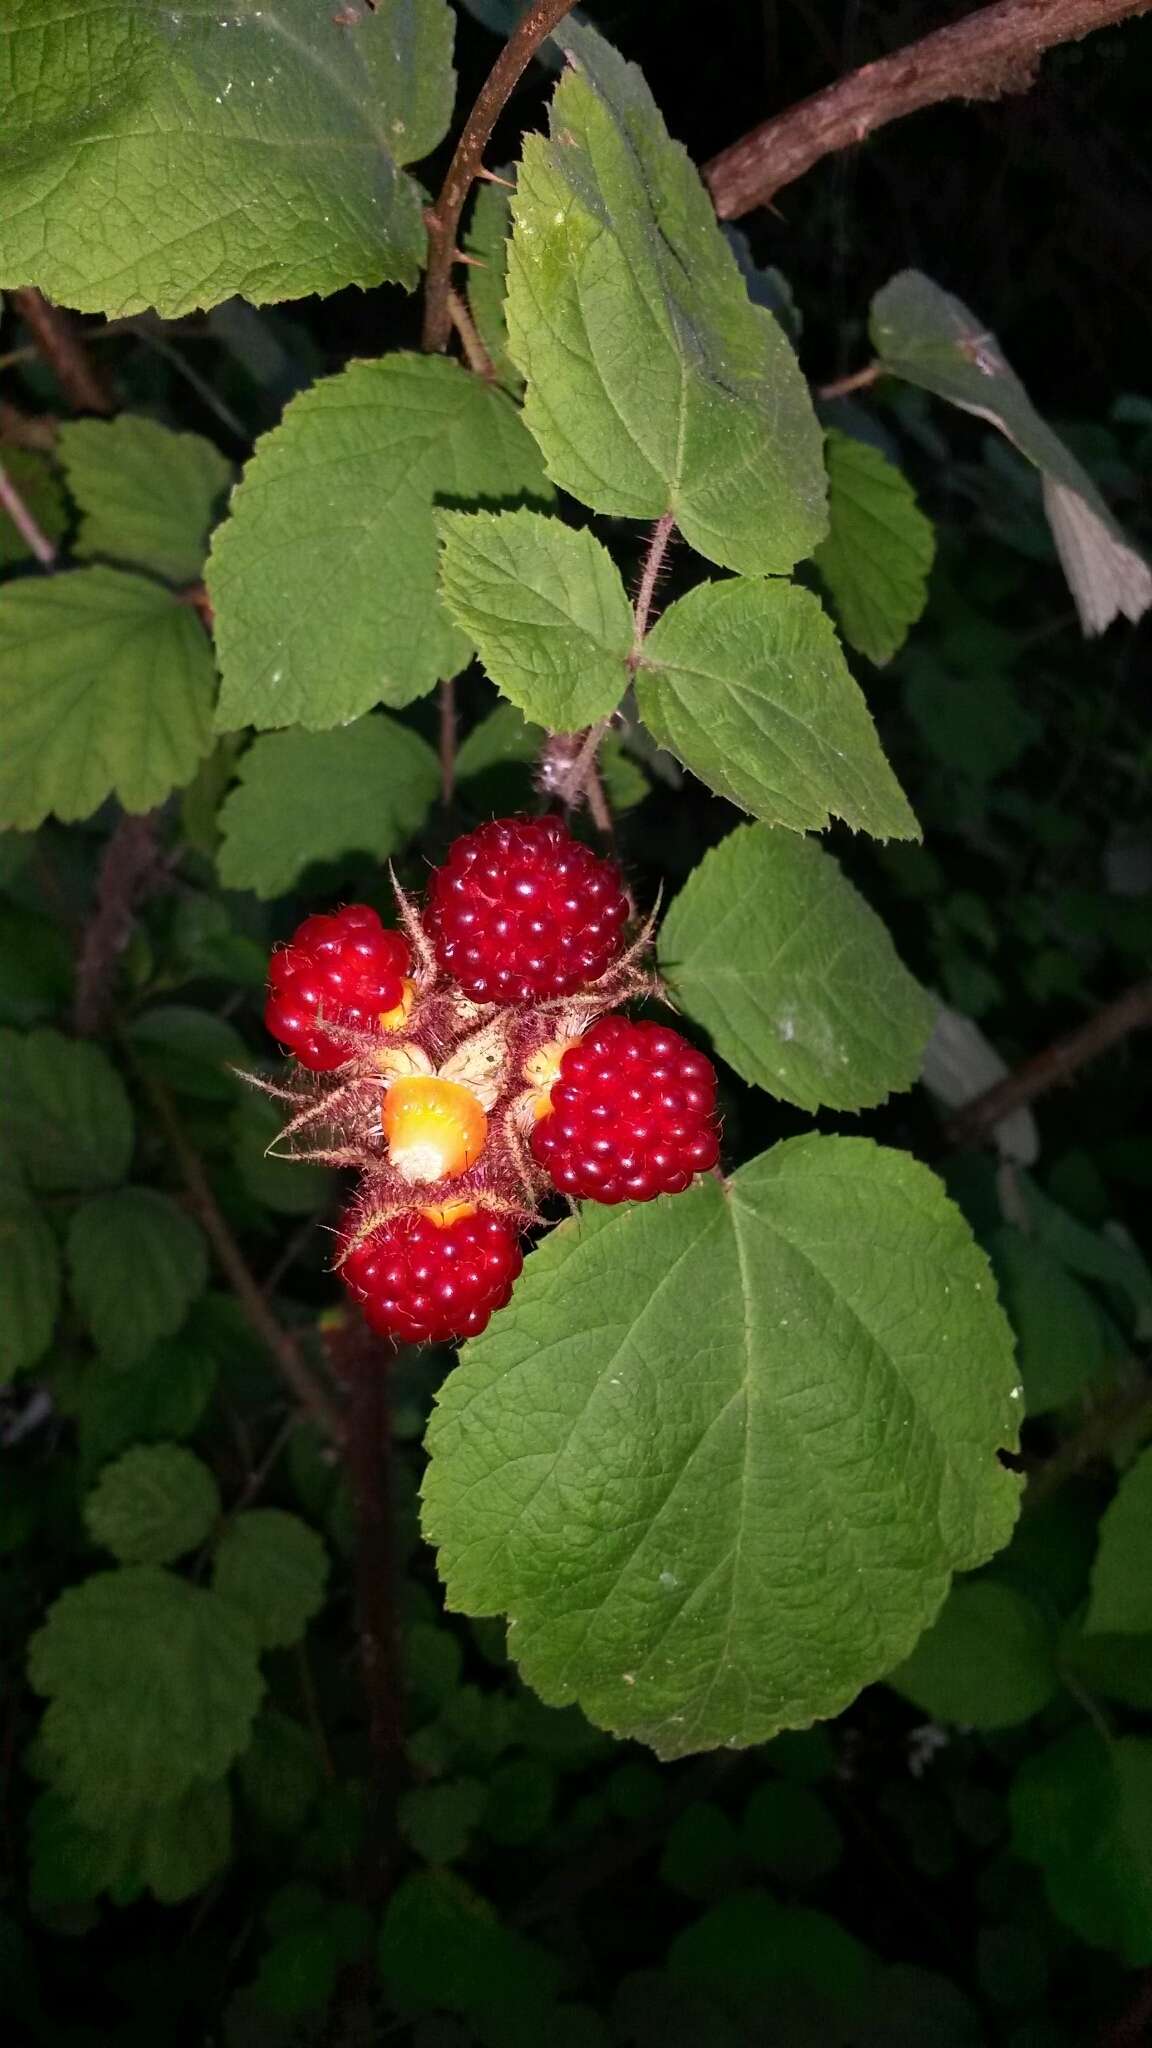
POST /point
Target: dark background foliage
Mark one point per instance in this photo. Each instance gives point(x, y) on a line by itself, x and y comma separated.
point(859, 1883)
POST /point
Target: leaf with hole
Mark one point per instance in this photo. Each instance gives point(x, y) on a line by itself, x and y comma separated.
point(721, 1454)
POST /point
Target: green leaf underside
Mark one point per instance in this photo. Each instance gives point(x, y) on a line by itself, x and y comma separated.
point(720, 1455)
point(64, 1112)
point(929, 338)
point(1082, 1810)
point(879, 549)
point(199, 154)
point(40, 494)
point(272, 1568)
point(1121, 1602)
point(487, 240)
point(747, 685)
point(795, 977)
point(154, 1504)
point(323, 579)
point(105, 689)
point(154, 1684)
point(136, 1263)
point(546, 608)
point(986, 1662)
point(29, 1285)
point(147, 496)
point(653, 383)
point(366, 788)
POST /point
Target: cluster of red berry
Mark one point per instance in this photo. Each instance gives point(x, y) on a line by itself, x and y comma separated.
point(469, 1063)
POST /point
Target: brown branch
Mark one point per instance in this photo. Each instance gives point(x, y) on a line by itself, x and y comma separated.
point(444, 218)
point(26, 525)
point(1125, 1420)
point(475, 354)
point(281, 1345)
point(991, 52)
point(59, 342)
point(857, 380)
point(649, 576)
point(131, 867)
point(1058, 1062)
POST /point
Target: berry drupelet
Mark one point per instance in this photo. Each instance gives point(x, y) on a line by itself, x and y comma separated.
point(345, 967)
point(521, 912)
point(429, 1277)
point(631, 1114)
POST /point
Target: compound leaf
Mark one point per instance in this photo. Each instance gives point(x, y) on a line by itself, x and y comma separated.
point(152, 1505)
point(302, 796)
point(154, 1684)
point(654, 385)
point(878, 551)
point(105, 689)
point(136, 1264)
point(774, 952)
point(323, 580)
point(1121, 1602)
point(147, 496)
point(172, 157)
point(546, 608)
point(747, 685)
point(64, 1111)
point(719, 1457)
point(273, 1569)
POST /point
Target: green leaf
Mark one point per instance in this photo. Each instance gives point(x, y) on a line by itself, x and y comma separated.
point(487, 240)
point(1121, 1602)
point(879, 549)
point(788, 1830)
point(192, 1051)
point(29, 1285)
point(504, 736)
point(153, 1684)
point(33, 477)
point(186, 1842)
point(136, 1264)
point(1112, 1667)
point(547, 610)
point(1060, 1333)
point(105, 689)
point(147, 496)
point(986, 1662)
point(747, 685)
point(972, 724)
point(773, 1409)
point(753, 1954)
point(64, 1111)
point(441, 1947)
point(701, 1851)
point(154, 1504)
point(159, 1400)
point(654, 384)
point(292, 1187)
point(774, 952)
point(438, 1821)
point(927, 337)
point(323, 579)
point(1082, 1810)
point(280, 1774)
point(69, 1864)
point(172, 158)
point(273, 1569)
point(305, 796)
point(520, 1796)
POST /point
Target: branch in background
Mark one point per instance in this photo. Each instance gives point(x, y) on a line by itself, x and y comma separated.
point(444, 218)
point(28, 528)
point(282, 1346)
point(857, 380)
point(1123, 1421)
point(27, 430)
point(58, 340)
point(1058, 1062)
point(475, 354)
point(132, 865)
point(987, 54)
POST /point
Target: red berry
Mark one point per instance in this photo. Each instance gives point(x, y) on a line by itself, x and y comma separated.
point(521, 911)
point(422, 1281)
point(631, 1115)
point(345, 966)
